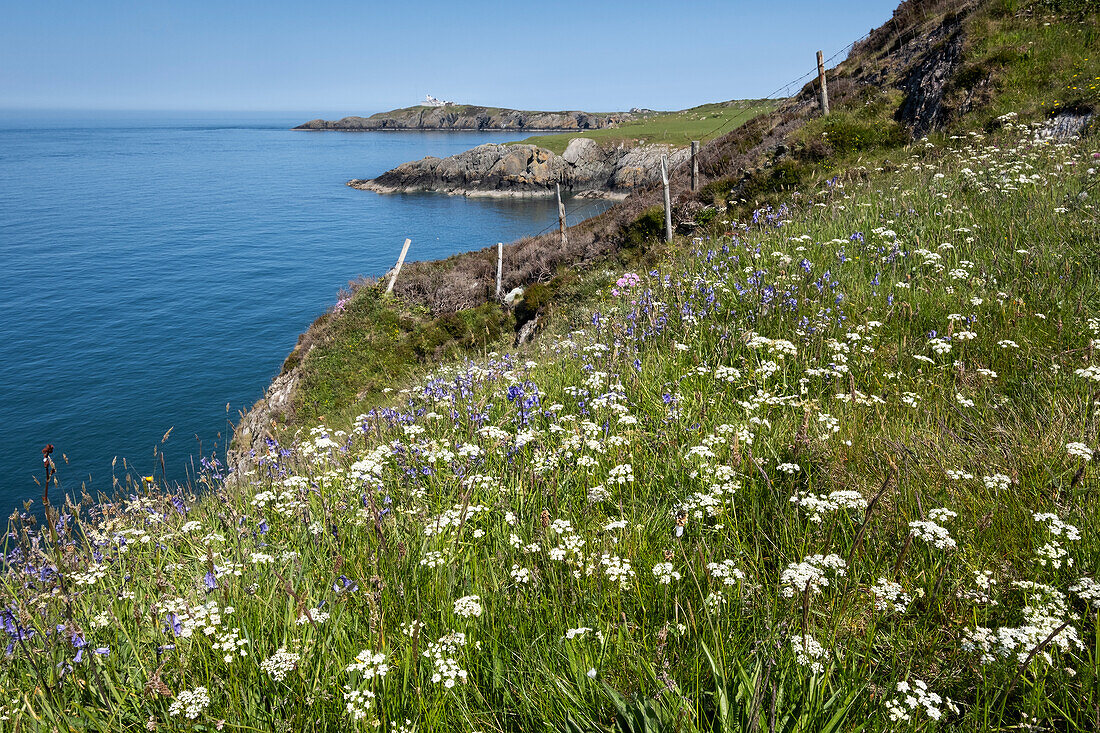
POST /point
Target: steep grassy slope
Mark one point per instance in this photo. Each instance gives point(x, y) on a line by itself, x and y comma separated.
point(934, 64)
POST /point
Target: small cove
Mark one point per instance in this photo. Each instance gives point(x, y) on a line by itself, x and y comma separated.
point(159, 267)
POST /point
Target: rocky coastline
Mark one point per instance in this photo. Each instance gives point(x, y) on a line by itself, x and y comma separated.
point(585, 168)
point(471, 117)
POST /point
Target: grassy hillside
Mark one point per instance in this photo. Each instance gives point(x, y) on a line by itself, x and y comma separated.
point(843, 448)
point(825, 464)
point(702, 123)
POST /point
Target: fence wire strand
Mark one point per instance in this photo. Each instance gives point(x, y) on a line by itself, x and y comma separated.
point(773, 96)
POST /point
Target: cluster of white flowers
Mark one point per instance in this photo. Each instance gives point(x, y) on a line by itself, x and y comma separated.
point(206, 617)
point(581, 631)
point(808, 652)
point(1053, 553)
point(232, 644)
point(1044, 613)
point(726, 571)
point(1090, 372)
point(597, 494)
point(714, 602)
point(1088, 590)
point(664, 573)
point(442, 653)
point(818, 505)
point(615, 525)
point(933, 534)
point(190, 703)
point(316, 615)
point(997, 482)
point(622, 474)
point(369, 664)
point(941, 515)
point(520, 575)
point(811, 573)
point(890, 596)
point(468, 606)
point(1057, 527)
point(280, 664)
point(89, 576)
point(617, 569)
point(453, 517)
point(1080, 450)
point(940, 346)
point(982, 592)
point(433, 559)
point(357, 702)
point(788, 468)
point(917, 697)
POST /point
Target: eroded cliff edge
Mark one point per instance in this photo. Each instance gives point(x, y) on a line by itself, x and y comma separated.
point(528, 170)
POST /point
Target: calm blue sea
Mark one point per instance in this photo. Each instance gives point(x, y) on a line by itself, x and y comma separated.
point(155, 268)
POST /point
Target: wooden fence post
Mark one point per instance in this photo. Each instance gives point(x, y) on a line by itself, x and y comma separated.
point(694, 164)
point(500, 265)
point(561, 218)
point(400, 261)
point(821, 82)
point(668, 200)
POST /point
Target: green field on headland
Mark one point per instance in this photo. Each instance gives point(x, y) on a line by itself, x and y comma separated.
point(702, 123)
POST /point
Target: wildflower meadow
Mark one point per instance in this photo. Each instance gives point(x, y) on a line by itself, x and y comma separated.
point(828, 468)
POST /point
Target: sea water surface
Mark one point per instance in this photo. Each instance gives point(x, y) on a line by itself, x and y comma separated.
point(156, 269)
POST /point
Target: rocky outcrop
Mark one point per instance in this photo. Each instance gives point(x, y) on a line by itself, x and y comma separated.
point(259, 423)
point(1065, 125)
point(528, 170)
point(469, 117)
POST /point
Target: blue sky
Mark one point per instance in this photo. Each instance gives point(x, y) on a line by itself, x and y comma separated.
point(351, 57)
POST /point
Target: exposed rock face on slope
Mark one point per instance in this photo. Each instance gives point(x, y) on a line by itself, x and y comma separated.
point(526, 170)
point(469, 117)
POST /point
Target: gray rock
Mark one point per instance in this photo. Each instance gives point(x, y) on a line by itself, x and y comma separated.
point(513, 295)
point(1064, 126)
point(494, 169)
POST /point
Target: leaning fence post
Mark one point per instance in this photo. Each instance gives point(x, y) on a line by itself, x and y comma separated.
point(500, 265)
point(561, 218)
point(668, 200)
point(397, 268)
point(694, 164)
point(821, 82)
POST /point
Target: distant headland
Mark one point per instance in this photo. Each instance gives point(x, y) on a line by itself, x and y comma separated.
point(434, 114)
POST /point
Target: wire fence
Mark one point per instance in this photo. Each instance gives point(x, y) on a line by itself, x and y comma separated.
point(782, 92)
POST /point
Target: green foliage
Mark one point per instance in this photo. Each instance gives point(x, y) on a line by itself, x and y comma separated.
point(536, 297)
point(847, 134)
point(783, 177)
point(1037, 62)
point(648, 227)
point(701, 123)
point(354, 355)
point(706, 216)
point(777, 697)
